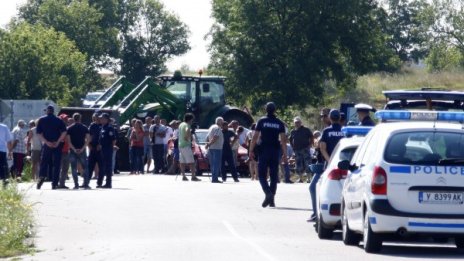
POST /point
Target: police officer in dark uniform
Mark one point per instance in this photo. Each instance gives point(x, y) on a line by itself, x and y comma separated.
point(272, 140)
point(107, 141)
point(52, 132)
point(329, 139)
point(363, 114)
point(94, 149)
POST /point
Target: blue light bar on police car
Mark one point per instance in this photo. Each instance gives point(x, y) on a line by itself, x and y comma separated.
point(356, 130)
point(420, 115)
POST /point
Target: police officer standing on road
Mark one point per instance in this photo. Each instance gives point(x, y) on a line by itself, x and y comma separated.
point(94, 149)
point(330, 137)
point(269, 129)
point(52, 132)
point(107, 141)
point(363, 114)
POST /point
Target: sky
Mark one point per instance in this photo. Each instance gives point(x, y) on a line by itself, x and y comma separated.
point(195, 13)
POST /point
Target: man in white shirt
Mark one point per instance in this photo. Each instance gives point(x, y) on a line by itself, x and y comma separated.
point(169, 132)
point(6, 143)
point(214, 142)
point(19, 148)
point(157, 135)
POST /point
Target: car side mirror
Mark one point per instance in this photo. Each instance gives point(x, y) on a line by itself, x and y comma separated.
point(205, 87)
point(345, 165)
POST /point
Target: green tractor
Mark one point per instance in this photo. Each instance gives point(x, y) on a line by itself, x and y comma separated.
point(170, 97)
point(202, 96)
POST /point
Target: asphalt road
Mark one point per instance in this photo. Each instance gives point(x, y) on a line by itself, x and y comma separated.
point(155, 217)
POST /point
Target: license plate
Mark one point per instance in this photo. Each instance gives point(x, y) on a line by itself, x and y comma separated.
point(453, 198)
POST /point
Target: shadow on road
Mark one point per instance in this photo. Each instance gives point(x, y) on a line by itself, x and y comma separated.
point(413, 250)
point(295, 209)
point(422, 251)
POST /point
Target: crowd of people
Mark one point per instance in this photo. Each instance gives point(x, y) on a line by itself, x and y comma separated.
point(55, 144)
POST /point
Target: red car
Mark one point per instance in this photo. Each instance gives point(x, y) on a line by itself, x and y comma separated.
point(202, 158)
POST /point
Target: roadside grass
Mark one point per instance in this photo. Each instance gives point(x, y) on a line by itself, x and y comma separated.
point(369, 90)
point(370, 87)
point(16, 222)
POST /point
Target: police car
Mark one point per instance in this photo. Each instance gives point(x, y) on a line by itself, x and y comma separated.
point(406, 178)
point(329, 186)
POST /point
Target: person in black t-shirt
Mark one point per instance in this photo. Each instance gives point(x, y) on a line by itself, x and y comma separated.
point(271, 132)
point(227, 155)
point(78, 138)
point(52, 132)
point(301, 139)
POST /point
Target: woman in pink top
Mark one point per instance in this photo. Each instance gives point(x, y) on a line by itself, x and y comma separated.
point(136, 143)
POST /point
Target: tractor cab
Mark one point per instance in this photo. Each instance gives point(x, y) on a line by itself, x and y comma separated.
point(202, 95)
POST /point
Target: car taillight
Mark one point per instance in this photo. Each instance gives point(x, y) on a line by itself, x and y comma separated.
point(379, 182)
point(337, 174)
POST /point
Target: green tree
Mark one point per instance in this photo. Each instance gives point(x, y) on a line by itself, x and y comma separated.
point(39, 63)
point(402, 21)
point(286, 50)
point(445, 19)
point(152, 36)
point(81, 22)
point(136, 36)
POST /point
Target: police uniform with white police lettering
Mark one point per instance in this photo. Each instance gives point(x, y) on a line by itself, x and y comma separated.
point(106, 141)
point(330, 137)
point(270, 127)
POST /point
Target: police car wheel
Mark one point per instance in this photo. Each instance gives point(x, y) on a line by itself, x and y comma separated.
point(372, 241)
point(459, 242)
point(350, 238)
point(323, 232)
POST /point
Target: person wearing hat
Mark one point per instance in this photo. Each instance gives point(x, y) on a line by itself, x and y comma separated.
point(272, 141)
point(107, 141)
point(329, 139)
point(52, 132)
point(363, 114)
point(94, 159)
point(301, 140)
point(19, 149)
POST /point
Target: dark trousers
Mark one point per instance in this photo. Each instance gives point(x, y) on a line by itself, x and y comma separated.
point(106, 169)
point(18, 163)
point(94, 158)
point(158, 156)
point(3, 166)
point(51, 160)
point(228, 156)
point(268, 159)
point(137, 158)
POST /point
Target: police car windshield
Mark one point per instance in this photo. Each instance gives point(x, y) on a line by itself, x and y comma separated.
point(425, 148)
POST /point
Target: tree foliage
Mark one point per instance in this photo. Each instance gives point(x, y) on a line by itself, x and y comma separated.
point(151, 36)
point(134, 37)
point(40, 63)
point(80, 22)
point(403, 22)
point(445, 19)
point(286, 50)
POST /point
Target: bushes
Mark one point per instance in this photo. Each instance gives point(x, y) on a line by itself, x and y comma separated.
point(16, 222)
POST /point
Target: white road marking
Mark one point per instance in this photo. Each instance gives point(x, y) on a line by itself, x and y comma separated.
point(258, 249)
